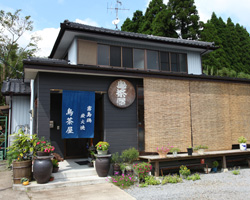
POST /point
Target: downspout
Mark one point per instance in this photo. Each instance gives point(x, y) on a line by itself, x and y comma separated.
point(201, 54)
point(10, 119)
point(31, 106)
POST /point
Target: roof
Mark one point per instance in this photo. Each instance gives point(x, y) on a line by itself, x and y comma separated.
point(15, 87)
point(34, 65)
point(76, 27)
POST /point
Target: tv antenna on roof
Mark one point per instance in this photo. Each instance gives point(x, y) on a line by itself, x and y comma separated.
point(116, 8)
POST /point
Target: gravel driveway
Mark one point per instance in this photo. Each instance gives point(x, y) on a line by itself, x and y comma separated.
point(211, 186)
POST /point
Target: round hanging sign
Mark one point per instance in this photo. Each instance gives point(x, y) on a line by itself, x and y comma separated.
point(121, 93)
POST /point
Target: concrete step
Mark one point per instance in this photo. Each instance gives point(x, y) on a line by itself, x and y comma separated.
point(60, 182)
point(74, 173)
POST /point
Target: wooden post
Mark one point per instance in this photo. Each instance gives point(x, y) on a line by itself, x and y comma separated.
point(157, 169)
point(224, 164)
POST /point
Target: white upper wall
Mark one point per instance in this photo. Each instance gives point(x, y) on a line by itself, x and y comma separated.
point(72, 53)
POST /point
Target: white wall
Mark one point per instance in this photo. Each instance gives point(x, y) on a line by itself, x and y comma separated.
point(20, 112)
point(194, 63)
point(72, 53)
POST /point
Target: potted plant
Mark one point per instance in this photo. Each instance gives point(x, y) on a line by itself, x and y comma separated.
point(184, 171)
point(174, 150)
point(43, 147)
point(102, 148)
point(55, 165)
point(115, 160)
point(129, 156)
point(25, 181)
point(242, 140)
point(190, 151)
point(163, 151)
point(215, 166)
point(20, 155)
point(200, 149)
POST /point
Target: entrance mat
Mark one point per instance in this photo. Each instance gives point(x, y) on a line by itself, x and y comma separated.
point(85, 162)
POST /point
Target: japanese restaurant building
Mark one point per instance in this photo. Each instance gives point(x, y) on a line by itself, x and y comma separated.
point(133, 90)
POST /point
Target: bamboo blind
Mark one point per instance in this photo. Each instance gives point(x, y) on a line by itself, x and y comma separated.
point(167, 114)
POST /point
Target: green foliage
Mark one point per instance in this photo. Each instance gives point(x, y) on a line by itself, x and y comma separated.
point(115, 158)
point(130, 155)
point(200, 147)
point(142, 169)
point(12, 29)
point(43, 145)
point(215, 163)
point(151, 180)
point(102, 146)
point(171, 179)
point(175, 149)
point(122, 166)
point(184, 171)
point(242, 139)
point(55, 163)
point(194, 177)
point(122, 181)
point(23, 147)
point(24, 179)
point(236, 172)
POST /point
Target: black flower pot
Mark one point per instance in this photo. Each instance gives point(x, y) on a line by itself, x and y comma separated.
point(190, 151)
point(102, 164)
point(42, 169)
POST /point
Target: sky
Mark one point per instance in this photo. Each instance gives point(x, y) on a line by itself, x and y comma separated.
point(48, 14)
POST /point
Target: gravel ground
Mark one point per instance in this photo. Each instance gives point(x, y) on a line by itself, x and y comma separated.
point(211, 186)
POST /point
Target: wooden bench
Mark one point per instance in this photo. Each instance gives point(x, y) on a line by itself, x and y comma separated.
point(187, 165)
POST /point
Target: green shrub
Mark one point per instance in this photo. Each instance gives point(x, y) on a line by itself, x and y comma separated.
point(242, 139)
point(151, 180)
point(184, 171)
point(215, 163)
point(130, 155)
point(171, 179)
point(142, 169)
point(194, 177)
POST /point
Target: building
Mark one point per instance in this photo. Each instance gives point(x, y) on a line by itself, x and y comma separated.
point(149, 91)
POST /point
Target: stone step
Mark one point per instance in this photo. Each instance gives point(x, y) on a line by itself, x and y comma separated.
point(59, 183)
point(74, 173)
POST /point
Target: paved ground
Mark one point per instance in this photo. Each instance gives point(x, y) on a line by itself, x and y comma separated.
point(99, 191)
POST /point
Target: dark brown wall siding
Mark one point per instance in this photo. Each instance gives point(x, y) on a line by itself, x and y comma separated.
point(120, 125)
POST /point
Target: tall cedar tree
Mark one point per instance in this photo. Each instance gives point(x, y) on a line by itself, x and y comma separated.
point(186, 16)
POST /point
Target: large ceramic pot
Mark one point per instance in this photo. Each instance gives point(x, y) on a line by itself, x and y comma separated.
point(42, 169)
point(41, 153)
point(102, 164)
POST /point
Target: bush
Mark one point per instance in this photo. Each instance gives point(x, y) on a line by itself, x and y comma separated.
point(142, 169)
point(171, 179)
point(184, 171)
point(194, 177)
point(130, 155)
point(123, 181)
point(115, 159)
point(150, 180)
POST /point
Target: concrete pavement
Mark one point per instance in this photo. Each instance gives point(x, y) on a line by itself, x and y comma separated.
point(98, 191)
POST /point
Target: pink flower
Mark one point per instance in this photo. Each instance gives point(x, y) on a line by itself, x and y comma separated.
point(43, 142)
point(38, 143)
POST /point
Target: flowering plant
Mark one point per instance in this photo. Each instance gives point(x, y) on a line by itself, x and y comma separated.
point(44, 146)
point(102, 146)
point(164, 150)
point(142, 169)
point(123, 181)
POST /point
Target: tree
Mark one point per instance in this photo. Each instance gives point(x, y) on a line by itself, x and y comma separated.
point(12, 29)
point(186, 17)
point(135, 24)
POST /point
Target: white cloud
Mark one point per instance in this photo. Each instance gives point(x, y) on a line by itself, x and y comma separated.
point(87, 21)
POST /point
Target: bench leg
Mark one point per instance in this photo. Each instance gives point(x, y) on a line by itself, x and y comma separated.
point(224, 164)
point(248, 161)
point(157, 169)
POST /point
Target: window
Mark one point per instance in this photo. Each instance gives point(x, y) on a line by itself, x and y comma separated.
point(138, 59)
point(127, 57)
point(174, 62)
point(183, 62)
point(164, 61)
point(115, 56)
point(103, 55)
point(152, 60)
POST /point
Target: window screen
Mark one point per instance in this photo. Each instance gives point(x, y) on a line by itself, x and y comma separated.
point(115, 56)
point(103, 54)
point(183, 62)
point(174, 62)
point(138, 59)
point(152, 59)
point(127, 57)
point(164, 56)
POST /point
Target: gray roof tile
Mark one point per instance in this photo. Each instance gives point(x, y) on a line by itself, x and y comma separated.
point(15, 87)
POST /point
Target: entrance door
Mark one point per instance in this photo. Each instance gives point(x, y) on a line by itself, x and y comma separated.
point(73, 148)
